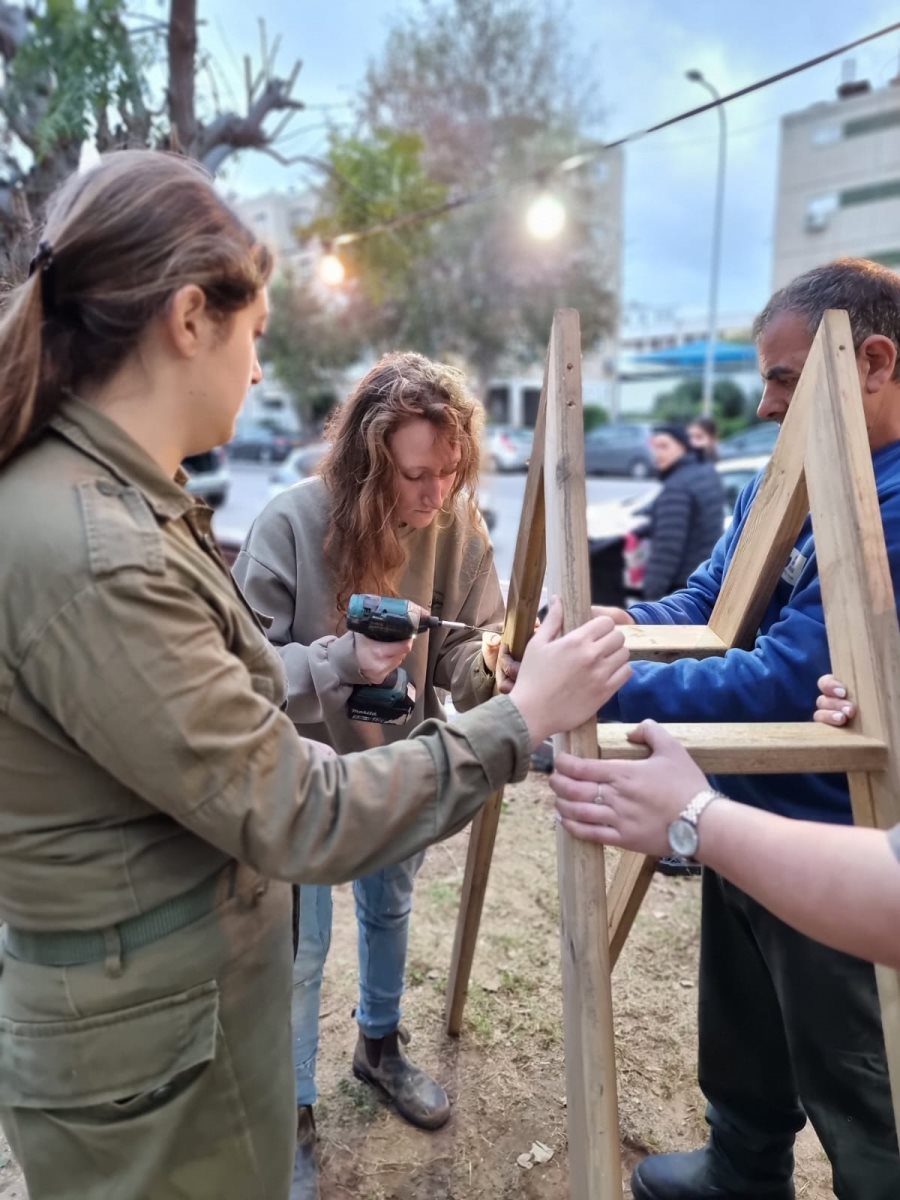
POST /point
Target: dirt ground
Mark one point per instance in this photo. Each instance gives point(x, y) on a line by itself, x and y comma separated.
point(505, 1073)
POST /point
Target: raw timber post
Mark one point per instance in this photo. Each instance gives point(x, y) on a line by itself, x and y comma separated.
point(595, 1171)
point(859, 602)
point(521, 612)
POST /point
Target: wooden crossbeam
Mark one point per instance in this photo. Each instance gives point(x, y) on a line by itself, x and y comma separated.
point(627, 890)
point(522, 606)
point(665, 643)
point(595, 1171)
point(775, 748)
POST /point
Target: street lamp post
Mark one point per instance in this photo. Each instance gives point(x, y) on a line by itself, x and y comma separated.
point(709, 367)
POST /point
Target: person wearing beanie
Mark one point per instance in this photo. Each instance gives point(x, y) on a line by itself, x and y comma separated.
point(687, 515)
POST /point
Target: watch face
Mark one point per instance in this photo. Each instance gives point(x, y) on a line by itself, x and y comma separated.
point(683, 838)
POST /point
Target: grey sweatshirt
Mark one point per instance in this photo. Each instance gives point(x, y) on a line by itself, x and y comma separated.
point(283, 574)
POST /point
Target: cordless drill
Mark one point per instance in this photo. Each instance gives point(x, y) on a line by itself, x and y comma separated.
point(387, 619)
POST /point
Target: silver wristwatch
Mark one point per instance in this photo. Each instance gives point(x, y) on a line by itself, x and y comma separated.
point(684, 836)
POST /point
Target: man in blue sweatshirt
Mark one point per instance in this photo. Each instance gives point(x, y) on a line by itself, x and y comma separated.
point(788, 1028)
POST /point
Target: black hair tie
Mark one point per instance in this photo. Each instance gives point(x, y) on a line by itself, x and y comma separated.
point(42, 260)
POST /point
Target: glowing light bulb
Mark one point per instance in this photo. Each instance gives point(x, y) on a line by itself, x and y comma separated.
point(546, 217)
point(331, 270)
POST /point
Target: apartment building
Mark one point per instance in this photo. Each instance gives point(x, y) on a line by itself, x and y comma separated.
point(839, 181)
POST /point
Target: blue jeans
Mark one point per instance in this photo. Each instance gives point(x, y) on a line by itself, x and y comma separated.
point(383, 905)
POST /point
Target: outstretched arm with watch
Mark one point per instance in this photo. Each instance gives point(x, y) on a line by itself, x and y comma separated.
point(837, 884)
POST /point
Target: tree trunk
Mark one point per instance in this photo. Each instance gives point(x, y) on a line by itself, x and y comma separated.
point(182, 42)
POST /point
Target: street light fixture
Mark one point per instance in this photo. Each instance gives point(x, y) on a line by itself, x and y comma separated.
point(696, 76)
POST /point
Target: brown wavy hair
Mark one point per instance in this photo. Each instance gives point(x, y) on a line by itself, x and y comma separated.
point(119, 241)
point(362, 546)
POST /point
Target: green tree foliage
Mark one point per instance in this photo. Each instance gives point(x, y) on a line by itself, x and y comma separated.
point(476, 95)
point(595, 415)
point(81, 62)
point(373, 179)
point(730, 406)
point(76, 73)
point(311, 340)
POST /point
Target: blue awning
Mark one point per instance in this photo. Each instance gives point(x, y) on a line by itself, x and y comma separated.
point(693, 355)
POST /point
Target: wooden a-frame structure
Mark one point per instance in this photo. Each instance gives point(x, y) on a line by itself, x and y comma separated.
point(821, 465)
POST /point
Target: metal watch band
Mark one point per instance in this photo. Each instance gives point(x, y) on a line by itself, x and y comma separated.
point(695, 808)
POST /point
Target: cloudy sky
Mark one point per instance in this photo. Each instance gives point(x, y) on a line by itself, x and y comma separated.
point(640, 51)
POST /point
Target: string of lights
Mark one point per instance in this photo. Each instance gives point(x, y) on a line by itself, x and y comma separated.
point(548, 222)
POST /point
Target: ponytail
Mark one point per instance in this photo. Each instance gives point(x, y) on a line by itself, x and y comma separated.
point(122, 239)
point(21, 351)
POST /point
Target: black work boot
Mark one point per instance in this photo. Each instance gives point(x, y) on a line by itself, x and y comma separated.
point(694, 1176)
point(415, 1095)
point(305, 1181)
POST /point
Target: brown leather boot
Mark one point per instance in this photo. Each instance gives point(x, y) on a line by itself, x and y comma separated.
point(416, 1096)
point(305, 1181)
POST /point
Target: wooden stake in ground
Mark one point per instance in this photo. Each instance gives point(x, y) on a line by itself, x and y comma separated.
point(595, 1171)
point(521, 612)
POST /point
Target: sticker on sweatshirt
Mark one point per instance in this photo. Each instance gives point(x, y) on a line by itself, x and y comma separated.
point(794, 569)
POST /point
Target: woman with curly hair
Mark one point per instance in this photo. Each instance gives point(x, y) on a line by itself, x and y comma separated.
point(393, 512)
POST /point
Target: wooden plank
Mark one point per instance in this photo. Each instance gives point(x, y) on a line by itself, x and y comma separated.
point(522, 605)
point(859, 602)
point(629, 886)
point(592, 1108)
point(761, 748)
point(772, 526)
point(665, 643)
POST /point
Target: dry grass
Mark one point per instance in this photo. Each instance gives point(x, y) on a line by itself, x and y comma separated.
point(505, 1074)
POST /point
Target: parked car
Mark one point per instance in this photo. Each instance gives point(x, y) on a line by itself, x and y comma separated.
point(260, 443)
point(299, 464)
point(620, 449)
point(208, 476)
point(507, 447)
point(618, 532)
point(758, 439)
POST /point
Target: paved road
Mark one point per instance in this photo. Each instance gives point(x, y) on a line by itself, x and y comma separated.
point(503, 493)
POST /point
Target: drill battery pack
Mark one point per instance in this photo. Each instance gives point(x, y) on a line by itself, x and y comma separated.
point(387, 703)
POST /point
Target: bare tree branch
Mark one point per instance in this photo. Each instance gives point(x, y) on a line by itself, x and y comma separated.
point(230, 132)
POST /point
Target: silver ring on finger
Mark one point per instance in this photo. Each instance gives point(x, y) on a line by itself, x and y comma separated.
point(598, 798)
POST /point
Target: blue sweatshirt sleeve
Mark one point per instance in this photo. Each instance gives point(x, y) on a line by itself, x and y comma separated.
point(775, 681)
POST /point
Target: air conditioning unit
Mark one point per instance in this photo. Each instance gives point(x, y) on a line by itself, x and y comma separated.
point(815, 222)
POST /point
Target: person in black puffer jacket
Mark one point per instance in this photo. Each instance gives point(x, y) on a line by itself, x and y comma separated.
point(687, 515)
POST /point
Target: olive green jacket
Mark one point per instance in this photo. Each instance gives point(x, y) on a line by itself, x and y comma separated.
point(142, 738)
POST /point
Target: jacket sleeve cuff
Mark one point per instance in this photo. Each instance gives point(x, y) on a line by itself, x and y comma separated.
point(497, 733)
point(342, 659)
